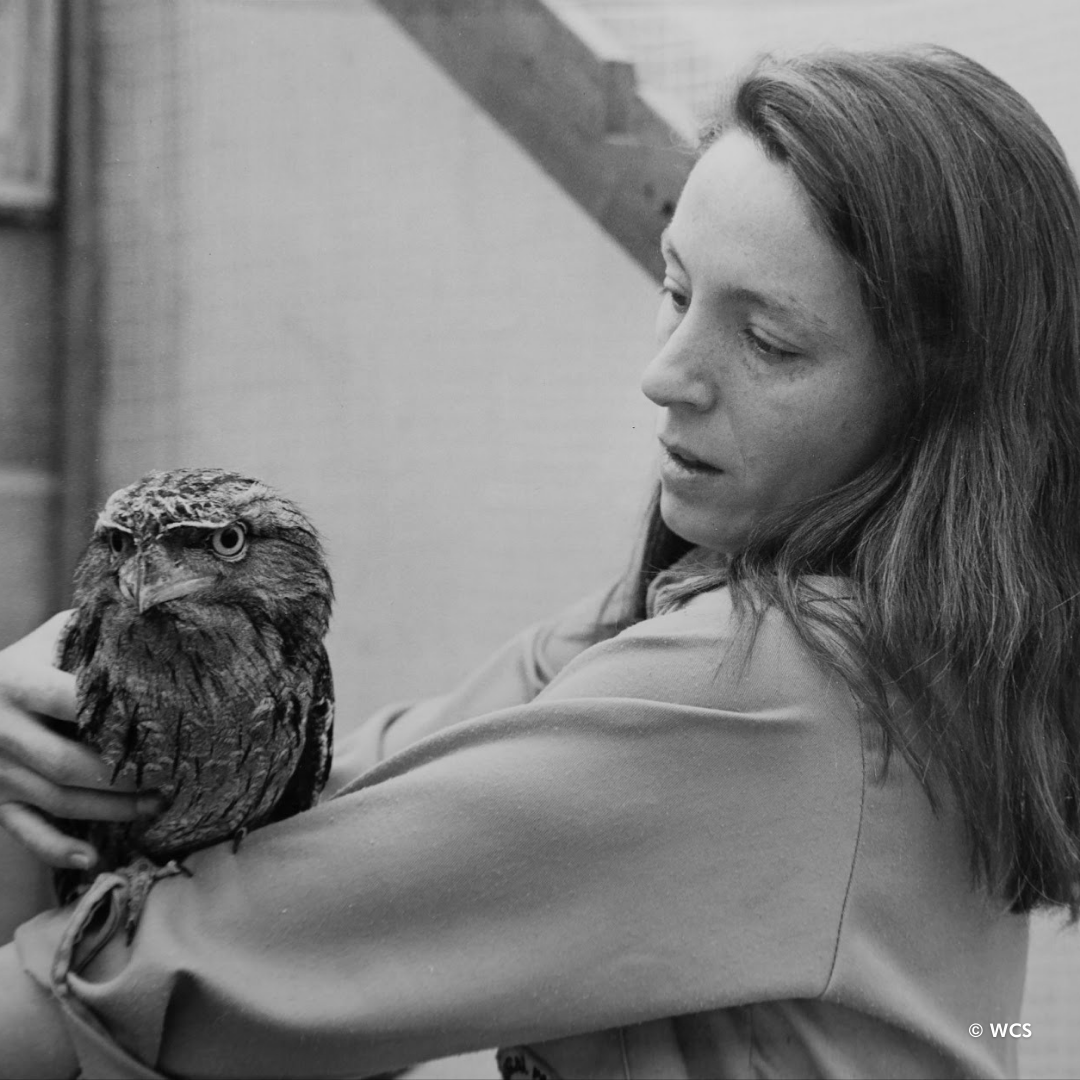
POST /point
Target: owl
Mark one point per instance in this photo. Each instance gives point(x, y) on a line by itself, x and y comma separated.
point(197, 645)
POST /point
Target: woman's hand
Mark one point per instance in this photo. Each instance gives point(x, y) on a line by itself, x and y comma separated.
point(45, 773)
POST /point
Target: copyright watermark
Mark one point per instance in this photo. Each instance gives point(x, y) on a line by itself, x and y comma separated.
point(1001, 1031)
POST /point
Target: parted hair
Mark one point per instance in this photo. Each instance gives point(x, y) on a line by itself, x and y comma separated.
point(958, 211)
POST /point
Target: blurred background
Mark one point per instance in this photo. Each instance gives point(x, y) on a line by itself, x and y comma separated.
point(396, 257)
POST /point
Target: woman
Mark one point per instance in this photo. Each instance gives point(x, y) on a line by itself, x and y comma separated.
point(778, 804)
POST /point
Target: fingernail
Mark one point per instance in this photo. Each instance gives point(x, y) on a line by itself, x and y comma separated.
point(149, 806)
point(80, 860)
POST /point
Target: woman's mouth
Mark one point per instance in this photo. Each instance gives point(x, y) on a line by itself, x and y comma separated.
point(684, 460)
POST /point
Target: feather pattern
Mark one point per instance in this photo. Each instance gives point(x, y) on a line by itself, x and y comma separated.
point(197, 646)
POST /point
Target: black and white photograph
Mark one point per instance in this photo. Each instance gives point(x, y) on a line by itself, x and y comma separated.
point(539, 539)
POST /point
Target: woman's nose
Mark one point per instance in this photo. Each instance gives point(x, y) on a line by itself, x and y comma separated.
point(678, 376)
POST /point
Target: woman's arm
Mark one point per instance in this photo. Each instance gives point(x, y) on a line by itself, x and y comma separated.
point(41, 768)
point(513, 675)
point(35, 1042)
point(659, 832)
point(25, 886)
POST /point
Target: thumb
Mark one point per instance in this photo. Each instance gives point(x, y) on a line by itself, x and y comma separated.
point(29, 678)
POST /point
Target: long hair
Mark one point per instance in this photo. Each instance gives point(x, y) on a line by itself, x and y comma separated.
point(955, 205)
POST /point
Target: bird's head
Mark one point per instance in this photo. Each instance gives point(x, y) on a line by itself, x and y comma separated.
point(205, 536)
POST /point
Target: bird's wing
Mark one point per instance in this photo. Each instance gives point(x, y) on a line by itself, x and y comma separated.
point(76, 641)
point(313, 768)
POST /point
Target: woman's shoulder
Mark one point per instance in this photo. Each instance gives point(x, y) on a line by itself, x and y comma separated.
point(712, 652)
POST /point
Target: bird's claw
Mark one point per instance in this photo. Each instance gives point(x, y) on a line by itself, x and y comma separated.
point(142, 875)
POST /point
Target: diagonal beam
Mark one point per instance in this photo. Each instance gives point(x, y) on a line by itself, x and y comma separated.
point(568, 94)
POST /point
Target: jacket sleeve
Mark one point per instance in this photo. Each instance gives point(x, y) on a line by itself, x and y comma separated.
point(668, 827)
point(514, 675)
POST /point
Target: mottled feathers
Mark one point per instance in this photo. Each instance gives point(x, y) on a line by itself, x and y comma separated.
point(202, 603)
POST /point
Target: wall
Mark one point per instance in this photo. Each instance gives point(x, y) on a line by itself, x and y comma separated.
point(323, 265)
point(687, 47)
point(28, 379)
point(28, 397)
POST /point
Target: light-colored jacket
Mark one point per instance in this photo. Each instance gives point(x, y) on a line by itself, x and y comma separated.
point(656, 855)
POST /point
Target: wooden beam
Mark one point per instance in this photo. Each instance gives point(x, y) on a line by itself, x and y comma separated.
point(550, 76)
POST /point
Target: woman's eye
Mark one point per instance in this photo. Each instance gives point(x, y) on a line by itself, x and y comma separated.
point(680, 300)
point(230, 542)
point(767, 348)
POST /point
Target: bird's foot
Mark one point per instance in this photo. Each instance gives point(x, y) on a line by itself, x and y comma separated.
point(142, 875)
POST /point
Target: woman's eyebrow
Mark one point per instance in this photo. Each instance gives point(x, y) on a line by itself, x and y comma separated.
point(787, 305)
point(780, 305)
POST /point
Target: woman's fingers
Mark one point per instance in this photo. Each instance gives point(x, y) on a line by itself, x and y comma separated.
point(44, 839)
point(38, 688)
point(30, 688)
point(44, 774)
point(26, 741)
point(23, 785)
point(28, 678)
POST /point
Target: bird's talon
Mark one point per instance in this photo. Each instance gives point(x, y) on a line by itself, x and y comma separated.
point(142, 875)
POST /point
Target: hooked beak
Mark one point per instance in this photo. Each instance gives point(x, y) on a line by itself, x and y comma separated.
point(151, 577)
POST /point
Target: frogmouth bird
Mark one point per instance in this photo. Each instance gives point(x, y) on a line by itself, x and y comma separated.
point(197, 645)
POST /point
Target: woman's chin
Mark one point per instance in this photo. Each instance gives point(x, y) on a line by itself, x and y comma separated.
point(702, 527)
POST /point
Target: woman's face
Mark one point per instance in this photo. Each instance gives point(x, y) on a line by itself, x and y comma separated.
point(770, 385)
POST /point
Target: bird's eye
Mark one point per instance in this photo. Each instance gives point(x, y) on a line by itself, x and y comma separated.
point(230, 542)
point(118, 541)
